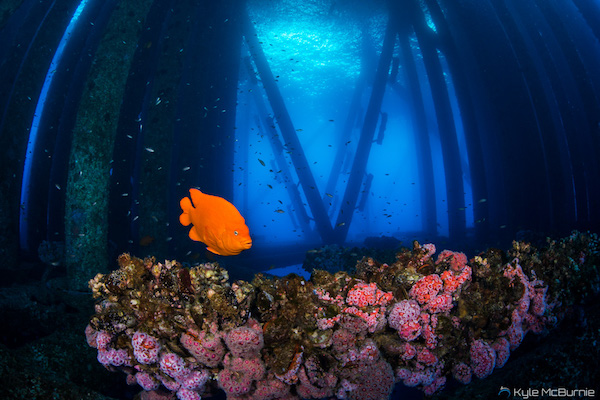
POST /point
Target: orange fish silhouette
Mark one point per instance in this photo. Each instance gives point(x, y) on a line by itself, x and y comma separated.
point(215, 222)
point(146, 241)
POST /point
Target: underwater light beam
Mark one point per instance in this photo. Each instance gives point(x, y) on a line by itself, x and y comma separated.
point(35, 126)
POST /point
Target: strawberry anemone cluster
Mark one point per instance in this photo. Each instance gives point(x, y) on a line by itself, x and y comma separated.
point(420, 321)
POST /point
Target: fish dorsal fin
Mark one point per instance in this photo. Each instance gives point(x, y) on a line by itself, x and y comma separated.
point(186, 206)
point(197, 197)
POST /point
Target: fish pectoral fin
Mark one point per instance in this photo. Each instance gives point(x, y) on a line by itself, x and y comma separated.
point(213, 250)
point(194, 235)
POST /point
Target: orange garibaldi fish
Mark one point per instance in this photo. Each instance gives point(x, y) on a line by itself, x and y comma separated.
point(215, 222)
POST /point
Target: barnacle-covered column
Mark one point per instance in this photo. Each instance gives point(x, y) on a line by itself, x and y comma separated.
point(86, 209)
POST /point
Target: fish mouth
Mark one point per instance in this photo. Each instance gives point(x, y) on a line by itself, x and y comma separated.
point(247, 245)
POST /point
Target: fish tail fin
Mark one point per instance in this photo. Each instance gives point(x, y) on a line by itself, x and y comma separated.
point(186, 206)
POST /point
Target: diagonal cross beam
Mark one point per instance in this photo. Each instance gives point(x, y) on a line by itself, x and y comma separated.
point(288, 132)
point(307, 181)
point(366, 137)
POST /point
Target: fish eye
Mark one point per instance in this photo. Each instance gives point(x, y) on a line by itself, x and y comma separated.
point(235, 233)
